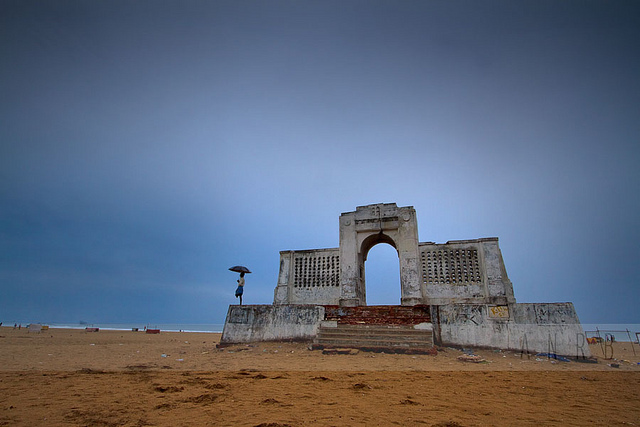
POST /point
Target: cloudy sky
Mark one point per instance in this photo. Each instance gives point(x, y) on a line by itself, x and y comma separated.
point(147, 146)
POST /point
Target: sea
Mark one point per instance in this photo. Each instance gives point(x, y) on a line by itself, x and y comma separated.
point(168, 327)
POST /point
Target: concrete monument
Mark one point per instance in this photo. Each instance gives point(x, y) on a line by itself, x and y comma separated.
point(461, 287)
point(464, 271)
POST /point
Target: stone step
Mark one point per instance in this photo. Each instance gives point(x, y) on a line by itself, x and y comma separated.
point(376, 337)
point(430, 350)
point(342, 336)
point(374, 342)
point(371, 333)
point(366, 327)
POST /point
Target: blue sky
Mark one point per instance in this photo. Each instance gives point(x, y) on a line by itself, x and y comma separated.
point(147, 146)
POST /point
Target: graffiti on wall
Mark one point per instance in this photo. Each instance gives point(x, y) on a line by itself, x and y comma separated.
point(499, 311)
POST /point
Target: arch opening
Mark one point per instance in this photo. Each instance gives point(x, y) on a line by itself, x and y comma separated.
point(382, 278)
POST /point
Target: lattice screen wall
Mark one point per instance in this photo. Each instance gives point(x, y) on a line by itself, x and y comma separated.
point(450, 266)
point(312, 270)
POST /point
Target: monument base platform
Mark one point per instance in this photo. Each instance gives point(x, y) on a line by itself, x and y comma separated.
point(528, 328)
point(255, 323)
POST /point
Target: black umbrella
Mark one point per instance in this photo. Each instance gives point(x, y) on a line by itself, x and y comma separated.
point(240, 269)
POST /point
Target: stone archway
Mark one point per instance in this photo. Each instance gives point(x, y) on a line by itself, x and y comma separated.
point(380, 251)
point(363, 229)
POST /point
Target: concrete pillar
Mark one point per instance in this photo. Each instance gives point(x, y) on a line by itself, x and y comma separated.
point(349, 263)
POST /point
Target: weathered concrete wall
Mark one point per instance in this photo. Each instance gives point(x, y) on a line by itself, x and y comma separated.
point(461, 271)
point(465, 271)
point(464, 280)
point(308, 277)
point(253, 323)
point(546, 328)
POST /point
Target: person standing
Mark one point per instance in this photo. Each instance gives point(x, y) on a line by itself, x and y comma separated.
point(240, 289)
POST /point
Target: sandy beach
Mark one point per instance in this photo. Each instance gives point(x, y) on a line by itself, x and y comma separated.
point(124, 378)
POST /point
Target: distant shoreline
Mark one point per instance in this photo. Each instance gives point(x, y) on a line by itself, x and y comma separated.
point(166, 327)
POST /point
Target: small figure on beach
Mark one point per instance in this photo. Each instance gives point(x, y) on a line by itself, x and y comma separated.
point(242, 270)
point(240, 288)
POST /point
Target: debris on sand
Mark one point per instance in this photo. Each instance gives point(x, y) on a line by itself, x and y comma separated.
point(471, 358)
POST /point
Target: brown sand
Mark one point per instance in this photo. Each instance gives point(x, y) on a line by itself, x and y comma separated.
point(114, 378)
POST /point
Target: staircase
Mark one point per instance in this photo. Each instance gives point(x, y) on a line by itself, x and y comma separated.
point(389, 329)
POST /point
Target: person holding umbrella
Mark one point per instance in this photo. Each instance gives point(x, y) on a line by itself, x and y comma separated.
point(240, 289)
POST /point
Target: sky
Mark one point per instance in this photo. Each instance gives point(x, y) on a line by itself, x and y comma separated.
point(148, 146)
